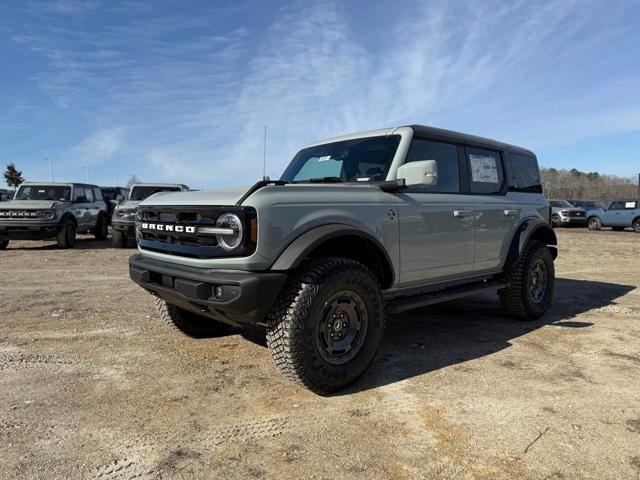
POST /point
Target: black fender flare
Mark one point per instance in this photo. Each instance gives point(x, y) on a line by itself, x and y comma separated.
point(527, 230)
point(294, 253)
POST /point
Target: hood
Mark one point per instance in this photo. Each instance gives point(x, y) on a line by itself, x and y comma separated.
point(128, 204)
point(219, 197)
point(28, 204)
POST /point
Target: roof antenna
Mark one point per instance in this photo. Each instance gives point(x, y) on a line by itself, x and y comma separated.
point(264, 157)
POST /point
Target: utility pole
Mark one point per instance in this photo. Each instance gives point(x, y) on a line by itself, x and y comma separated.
point(639, 187)
point(264, 155)
point(50, 167)
point(86, 166)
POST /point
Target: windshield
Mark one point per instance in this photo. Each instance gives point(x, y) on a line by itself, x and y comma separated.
point(44, 192)
point(110, 193)
point(140, 193)
point(358, 160)
point(560, 203)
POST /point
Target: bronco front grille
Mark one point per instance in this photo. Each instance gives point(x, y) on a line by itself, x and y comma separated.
point(177, 237)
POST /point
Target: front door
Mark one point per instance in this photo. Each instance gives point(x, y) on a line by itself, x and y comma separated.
point(436, 223)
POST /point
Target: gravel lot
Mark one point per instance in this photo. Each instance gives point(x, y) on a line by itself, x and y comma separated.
point(93, 386)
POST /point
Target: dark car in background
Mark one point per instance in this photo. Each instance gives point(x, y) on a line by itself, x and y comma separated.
point(563, 214)
point(587, 204)
point(5, 195)
point(110, 195)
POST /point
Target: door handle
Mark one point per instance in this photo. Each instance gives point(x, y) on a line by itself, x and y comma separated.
point(462, 213)
point(511, 212)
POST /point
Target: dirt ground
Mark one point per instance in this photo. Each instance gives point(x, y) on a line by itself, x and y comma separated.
point(93, 386)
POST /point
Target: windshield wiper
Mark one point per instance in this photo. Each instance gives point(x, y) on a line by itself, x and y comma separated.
point(321, 180)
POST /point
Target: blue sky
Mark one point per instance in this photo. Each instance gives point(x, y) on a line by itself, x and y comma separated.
point(180, 91)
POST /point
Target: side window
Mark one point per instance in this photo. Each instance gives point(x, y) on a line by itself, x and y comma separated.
point(446, 154)
point(524, 175)
point(616, 206)
point(485, 171)
point(89, 193)
point(78, 192)
point(97, 194)
point(630, 205)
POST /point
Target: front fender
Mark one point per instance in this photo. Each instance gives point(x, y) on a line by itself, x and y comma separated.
point(296, 251)
point(531, 229)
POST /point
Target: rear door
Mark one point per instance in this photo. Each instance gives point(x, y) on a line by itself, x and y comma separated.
point(436, 223)
point(496, 214)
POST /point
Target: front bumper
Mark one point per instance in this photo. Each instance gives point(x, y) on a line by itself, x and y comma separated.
point(34, 230)
point(573, 220)
point(128, 228)
point(246, 299)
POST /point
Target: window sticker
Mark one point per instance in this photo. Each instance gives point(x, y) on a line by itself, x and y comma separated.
point(325, 158)
point(630, 205)
point(484, 169)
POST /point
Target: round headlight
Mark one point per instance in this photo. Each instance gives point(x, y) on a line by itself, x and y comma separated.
point(50, 214)
point(233, 240)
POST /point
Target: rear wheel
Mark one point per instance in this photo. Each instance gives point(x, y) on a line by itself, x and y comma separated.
point(326, 327)
point(118, 239)
point(187, 322)
point(101, 230)
point(530, 283)
point(66, 237)
point(3, 244)
point(594, 223)
point(636, 225)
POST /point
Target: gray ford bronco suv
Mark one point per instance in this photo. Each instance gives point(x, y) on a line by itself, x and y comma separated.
point(357, 227)
point(53, 210)
point(123, 219)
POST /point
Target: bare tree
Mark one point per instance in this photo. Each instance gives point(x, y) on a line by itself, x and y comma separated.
point(133, 180)
point(574, 184)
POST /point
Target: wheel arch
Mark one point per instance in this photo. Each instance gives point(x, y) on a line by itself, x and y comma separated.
point(351, 243)
point(70, 216)
point(529, 230)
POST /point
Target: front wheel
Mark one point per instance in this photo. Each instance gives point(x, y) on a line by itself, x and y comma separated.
point(3, 244)
point(530, 283)
point(187, 322)
point(594, 223)
point(101, 230)
point(66, 237)
point(636, 225)
point(555, 221)
point(327, 325)
point(118, 239)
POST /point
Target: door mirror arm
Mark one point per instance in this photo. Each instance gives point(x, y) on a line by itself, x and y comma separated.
point(393, 185)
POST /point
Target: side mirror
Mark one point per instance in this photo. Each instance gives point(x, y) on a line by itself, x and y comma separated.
point(423, 173)
point(119, 199)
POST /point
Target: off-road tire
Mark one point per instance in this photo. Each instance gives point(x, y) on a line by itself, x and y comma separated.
point(118, 239)
point(594, 223)
point(516, 297)
point(189, 323)
point(295, 320)
point(66, 237)
point(636, 225)
point(555, 221)
point(101, 230)
point(3, 244)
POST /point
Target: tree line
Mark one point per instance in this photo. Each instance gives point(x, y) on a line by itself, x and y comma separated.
point(574, 184)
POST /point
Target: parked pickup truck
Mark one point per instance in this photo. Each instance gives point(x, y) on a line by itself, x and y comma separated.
point(123, 219)
point(357, 226)
point(619, 215)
